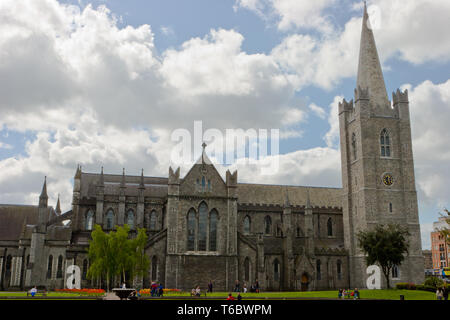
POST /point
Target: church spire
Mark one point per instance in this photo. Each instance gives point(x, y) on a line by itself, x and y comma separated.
point(370, 74)
point(142, 184)
point(43, 198)
point(58, 207)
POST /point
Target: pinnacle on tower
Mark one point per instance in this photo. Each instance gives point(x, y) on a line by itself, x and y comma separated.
point(370, 74)
point(58, 207)
point(122, 183)
point(43, 198)
point(78, 172)
point(141, 184)
point(102, 179)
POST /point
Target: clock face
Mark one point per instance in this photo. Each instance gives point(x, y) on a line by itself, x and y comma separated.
point(388, 180)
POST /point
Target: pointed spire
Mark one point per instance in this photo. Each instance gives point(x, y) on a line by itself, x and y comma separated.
point(142, 184)
point(44, 189)
point(78, 172)
point(308, 200)
point(287, 203)
point(370, 74)
point(43, 198)
point(204, 159)
point(102, 179)
point(58, 207)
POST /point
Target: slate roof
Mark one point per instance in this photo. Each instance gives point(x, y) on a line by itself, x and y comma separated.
point(13, 217)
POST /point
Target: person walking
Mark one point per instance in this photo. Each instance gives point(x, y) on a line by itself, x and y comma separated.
point(355, 294)
point(210, 286)
point(237, 286)
point(446, 292)
point(439, 293)
point(257, 286)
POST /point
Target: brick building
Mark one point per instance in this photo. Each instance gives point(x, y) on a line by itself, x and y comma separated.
point(440, 250)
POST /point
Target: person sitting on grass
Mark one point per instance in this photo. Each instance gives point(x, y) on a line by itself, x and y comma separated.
point(33, 291)
point(239, 297)
point(197, 291)
point(230, 297)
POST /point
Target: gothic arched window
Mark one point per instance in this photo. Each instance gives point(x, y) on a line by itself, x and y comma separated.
point(203, 184)
point(385, 143)
point(110, 219)
point(276, 270)
point(153, 220)
point(202, 224)
point(213, 230)
point(339, 269)
point(395, 272)
point(330, 227)
point(247, 269)
point(354, 146)
point(154, 268)
point(85, 269)
point(59, 273)
point(89, 220)
point(247, 225)
point(191, 230)
point(50, 267)
point(318, 270)
point(8, 263)
point(130, 219)
point(267, 225)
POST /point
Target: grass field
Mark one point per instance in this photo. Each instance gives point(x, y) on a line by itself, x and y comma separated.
point(365, 294)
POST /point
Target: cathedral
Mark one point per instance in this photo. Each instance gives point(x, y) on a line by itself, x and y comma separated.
point(205, 227)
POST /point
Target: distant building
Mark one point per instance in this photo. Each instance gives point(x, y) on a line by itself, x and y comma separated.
point(440, 250)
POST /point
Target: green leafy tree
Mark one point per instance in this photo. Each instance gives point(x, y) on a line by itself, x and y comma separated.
point(115, 254)
point(445, 232)
point(384, 245)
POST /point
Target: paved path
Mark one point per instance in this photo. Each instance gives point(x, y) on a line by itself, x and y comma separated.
point(111, 296)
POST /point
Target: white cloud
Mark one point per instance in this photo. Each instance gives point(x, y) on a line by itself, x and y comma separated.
point(5, 146)
point(292, 13)
point(332, 136)
point(430, 116)
point(318, 111)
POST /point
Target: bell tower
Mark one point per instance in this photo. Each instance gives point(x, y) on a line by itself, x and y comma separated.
point(377, 165)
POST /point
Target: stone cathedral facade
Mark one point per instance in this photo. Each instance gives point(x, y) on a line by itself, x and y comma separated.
point(204, 227)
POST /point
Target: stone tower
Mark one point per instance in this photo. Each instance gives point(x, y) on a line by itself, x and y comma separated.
point(377, 165)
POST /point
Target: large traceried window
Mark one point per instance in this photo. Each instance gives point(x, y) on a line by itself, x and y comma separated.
point(318, 270)
point(339, 269)
point(191, 220)
point(153, 220)
point(110, 219)
point(59, 273)
point(385, 142)
point(247, 225)
point(130, 219)
point(213, 230)
point(202, 224)
point(267, 225)
point(247, 269)
point(89, 220)
point(50, 267)
point(276, 270)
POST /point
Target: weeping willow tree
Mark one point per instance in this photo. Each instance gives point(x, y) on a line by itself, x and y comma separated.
point(115, 254)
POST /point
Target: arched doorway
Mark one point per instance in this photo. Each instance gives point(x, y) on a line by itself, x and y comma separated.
point(304, 282)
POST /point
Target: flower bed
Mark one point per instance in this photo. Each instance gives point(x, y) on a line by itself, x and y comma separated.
point(87, 292)
point(147, 292)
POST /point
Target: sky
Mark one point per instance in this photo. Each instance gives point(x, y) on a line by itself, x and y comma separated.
point(106, 83)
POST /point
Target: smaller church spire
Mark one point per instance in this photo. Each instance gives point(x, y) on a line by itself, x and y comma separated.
point(142, 184)
point(43, 198)
point(122, 183)
point(58, 207)
point(78, 172)
point(102, 179)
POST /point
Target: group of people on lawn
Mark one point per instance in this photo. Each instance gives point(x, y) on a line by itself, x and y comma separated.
point(254, 288)
point(343, 293)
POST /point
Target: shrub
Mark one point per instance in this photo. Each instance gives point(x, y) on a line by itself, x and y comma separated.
point(434, 282)
point(402, 285)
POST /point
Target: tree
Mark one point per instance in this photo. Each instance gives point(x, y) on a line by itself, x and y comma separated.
point(445, 232)
point(115, 254)
point(385, 245)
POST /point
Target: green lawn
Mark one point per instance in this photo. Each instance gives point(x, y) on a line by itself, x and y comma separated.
point(392, 294)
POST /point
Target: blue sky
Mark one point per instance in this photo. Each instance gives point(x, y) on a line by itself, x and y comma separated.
point(70, 111)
